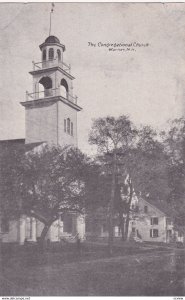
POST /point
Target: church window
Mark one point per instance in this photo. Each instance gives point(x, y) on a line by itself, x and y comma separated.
point(59, 54)
point(64, 125)
point(64, 88)
point(72, 128)
point(4, 225)
point(46, 82)
point(44, 55)
point(68, 125)
point(29, 222)
point(51, 53)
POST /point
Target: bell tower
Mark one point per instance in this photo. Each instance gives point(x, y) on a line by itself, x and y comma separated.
point(51, 109)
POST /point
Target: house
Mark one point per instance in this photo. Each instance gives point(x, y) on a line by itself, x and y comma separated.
point(51, 117)
point(152, 223)
point(148, 222)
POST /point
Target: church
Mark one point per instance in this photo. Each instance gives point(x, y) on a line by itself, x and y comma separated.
point(50, 118)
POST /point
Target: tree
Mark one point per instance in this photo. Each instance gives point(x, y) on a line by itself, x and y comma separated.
point(110, 135)
point(45, 184)
point(174, 141)
point(146, 167)
point(137, 163)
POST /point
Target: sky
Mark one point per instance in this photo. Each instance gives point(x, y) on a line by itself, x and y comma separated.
point(146, 83)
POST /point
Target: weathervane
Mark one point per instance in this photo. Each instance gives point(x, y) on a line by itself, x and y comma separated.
point(52, 9)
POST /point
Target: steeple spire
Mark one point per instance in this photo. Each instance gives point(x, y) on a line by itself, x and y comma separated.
point(52, 9)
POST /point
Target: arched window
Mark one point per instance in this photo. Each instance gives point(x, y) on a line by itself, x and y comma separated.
point(68, 125)
point(46, 82)
point(64, 88)
point(44, 55)
point(59, 54)
point(51, 53)
point(72, 128)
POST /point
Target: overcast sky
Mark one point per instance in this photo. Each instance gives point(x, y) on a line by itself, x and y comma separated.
point(147, 84)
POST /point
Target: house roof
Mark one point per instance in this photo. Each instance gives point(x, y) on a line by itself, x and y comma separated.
point(161, 206)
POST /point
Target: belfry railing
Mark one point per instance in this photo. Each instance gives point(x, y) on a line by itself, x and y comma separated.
point(47, 93)
point(51, 63)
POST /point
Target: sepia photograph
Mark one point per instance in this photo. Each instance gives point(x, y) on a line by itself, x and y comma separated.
point(92, 149)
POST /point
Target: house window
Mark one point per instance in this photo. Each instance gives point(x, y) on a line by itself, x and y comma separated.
point(169, 221)
point(68, 223)
point(137, 209)
point(104, 227)
point(5, 225)
point(154, 233)
point(72, 128)
point(169, 233)
point(64, 125)
point(145, 209)
point(133, 229)
point(117, 231)
point(68, 125)
point(154, 221)
point(51, 53)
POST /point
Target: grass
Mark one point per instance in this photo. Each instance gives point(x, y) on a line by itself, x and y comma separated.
point(63, 271)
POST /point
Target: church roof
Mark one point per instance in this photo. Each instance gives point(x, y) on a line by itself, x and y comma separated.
point(52, 40)
point(18, 144)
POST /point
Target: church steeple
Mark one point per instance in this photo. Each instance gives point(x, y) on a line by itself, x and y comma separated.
point(52, 53)
point(51, 109)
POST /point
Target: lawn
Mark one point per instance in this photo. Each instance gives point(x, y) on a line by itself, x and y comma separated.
point(63, 271)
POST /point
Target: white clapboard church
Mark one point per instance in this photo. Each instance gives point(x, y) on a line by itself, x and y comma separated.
point(50, 117)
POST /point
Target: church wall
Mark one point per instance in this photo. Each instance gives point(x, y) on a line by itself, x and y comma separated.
point(54, 232)
point(39, 228)
point(13, 234)
point(65, 112)
point(41, 124)
point(80, 226)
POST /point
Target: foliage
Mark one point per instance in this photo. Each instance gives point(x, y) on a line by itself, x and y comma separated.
point(140, 158)
point(174, 140)
point(110, 133)
point(44, 184)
